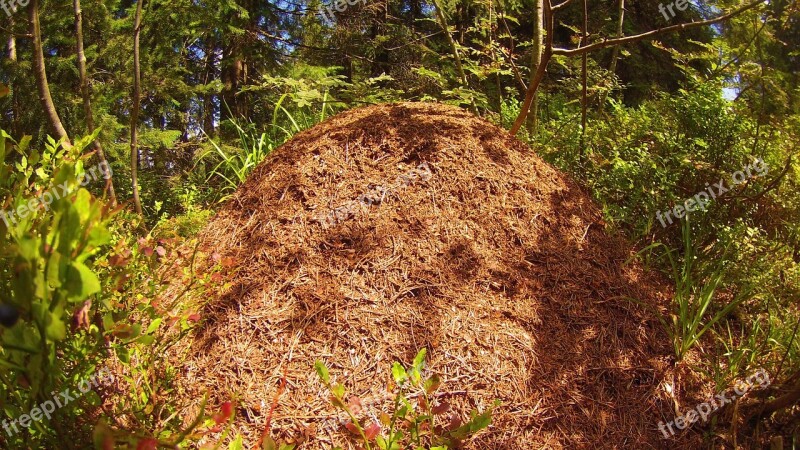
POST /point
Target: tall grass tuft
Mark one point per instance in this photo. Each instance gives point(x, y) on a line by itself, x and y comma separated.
point(237, 163)
point(693, 310)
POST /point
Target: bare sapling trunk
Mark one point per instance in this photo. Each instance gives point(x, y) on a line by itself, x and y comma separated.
point(40, 73)
point(536, 60)
point(615, 52)
point(612, 67)
point(584, 78)
point(137, 27)
point(453, 49)
point(547, 54)
point(12, 58)
point(86, 94)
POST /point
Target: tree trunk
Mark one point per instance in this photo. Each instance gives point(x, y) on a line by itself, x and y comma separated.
point(584, 79)
point(40, 73)
point(208, 99)
point(137, 80)
point(612, 67)
point(12, 58)
point(496, 103)
point(415, 12)
point(453, 48)
point(231, 76)
point(615, 53)
point(380, 61)
point(547, 54)
point(86, 94)
point(538, 40)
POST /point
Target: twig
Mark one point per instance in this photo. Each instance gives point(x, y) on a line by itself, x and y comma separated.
point(272, 408)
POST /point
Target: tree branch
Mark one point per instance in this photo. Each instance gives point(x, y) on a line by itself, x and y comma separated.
point(654, 33)
point(775, 182)
point(561, 5)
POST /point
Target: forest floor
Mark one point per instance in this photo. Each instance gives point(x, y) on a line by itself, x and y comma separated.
point(392, 228)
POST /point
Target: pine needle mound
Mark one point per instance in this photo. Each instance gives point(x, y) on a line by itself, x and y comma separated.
point(494, 261)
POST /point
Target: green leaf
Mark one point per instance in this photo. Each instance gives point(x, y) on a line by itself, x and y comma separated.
point(399, 373)
point(419, 360)
point(81, 282)
point(402, 412)
point(269, 444)
point(154, 326)
point(338, 391)
point(236, 444)
point(55, 267)
point(83, 205)
point(322, 371)
point(123, 354)
point(56, 328)
point(478, 423)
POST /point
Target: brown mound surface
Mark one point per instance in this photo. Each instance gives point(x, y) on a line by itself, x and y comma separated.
point(490, 258)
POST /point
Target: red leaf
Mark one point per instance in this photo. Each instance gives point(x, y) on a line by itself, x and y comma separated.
point(455, 422)
point(147, 251)
point(225, 414)
point(194, 318)
point(117, 261)
point(161, 251)
point(441, 408)
point(147, 444)
point(372, 431)
point(352, 428)
point(228, 262)
point(227, 409)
